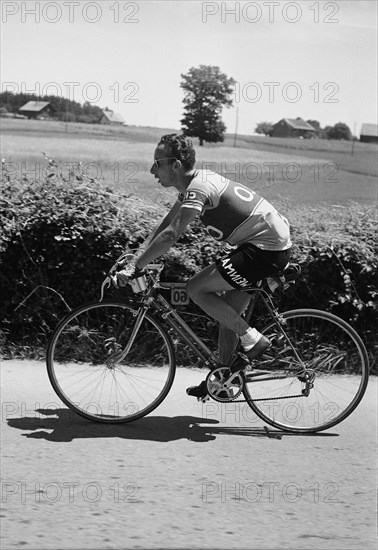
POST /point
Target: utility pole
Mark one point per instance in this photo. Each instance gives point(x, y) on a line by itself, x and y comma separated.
point(66, 128)
point(354, 134)
point(236, 125)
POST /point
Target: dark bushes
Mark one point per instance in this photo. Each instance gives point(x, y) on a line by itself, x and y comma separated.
point(59, 237)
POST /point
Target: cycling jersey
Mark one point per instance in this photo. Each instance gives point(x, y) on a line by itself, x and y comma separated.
point(234, 213)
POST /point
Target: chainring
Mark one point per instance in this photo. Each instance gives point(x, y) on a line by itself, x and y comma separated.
point(224, 385)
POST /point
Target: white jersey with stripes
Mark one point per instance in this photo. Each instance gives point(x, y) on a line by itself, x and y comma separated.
point(233, 213)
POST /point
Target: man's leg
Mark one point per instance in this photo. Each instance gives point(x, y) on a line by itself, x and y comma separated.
point(228, 339)
point(203, 288)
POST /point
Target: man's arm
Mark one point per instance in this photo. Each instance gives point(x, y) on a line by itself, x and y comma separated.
point(167, 234)
point(163, 223)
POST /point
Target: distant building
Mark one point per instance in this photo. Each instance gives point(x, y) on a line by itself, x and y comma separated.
point(110, 117)
point(293, 127)
point(37, 109)
point(4, 113)
point(369, 133)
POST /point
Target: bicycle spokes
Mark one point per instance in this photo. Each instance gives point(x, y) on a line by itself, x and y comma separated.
point(111, 365)
point(318, 385)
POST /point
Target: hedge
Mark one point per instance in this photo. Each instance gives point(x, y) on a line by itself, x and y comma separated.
point(60, 236)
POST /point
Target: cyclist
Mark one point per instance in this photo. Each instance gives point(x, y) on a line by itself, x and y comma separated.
point(257, 236)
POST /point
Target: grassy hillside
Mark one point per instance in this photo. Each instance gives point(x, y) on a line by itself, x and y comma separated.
point(358, 158)
point(293, 170)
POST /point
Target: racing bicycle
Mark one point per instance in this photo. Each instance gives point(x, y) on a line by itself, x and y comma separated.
point(114, 361)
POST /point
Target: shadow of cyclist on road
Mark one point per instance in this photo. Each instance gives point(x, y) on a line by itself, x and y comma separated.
point(61, 425)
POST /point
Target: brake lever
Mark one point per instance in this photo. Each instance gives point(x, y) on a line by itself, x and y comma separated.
point(112, 277)
point(106, 283)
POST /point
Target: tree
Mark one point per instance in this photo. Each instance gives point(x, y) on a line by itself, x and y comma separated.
point(340, 131)
point(206, 91)
point(264, 128)
point(324, 133)
point(316, 125)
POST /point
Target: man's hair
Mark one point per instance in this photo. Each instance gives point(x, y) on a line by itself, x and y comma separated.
point(180, 147)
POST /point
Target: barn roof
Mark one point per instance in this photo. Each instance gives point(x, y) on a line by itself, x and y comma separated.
point(34, 106)
point(113, 117)
point(368, 129)
point(299, 124)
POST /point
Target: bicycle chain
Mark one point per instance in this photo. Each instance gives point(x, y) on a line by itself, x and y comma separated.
point(274, 398)
point(262, 399)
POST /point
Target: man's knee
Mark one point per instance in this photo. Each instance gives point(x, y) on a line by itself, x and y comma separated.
point(205, 283)
point(193, 288)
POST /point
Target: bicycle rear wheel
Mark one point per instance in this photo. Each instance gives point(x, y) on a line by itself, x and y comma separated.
point(86, 372)
point(316, 385)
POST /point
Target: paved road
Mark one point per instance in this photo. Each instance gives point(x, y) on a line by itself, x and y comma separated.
point(190, 475)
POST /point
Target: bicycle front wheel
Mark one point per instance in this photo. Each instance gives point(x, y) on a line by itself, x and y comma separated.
point(88, 373)
point(313, 376)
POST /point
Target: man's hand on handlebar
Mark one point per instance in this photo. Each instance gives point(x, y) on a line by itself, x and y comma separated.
point(122, 277)
point(123, 271)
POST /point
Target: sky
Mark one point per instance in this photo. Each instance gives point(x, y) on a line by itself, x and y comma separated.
point(310, 59)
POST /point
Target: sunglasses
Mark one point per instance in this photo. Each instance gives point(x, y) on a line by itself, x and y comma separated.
point(156, 161)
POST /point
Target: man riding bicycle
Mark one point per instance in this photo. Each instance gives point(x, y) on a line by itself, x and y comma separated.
point(259, 237)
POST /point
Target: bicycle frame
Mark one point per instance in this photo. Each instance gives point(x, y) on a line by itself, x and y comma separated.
point(152, 299)
point(170, 315)
point(155, 301)
point(274, 314)
point(175, 321)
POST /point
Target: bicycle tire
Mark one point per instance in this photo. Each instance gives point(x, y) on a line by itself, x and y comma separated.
point(82, 369)
point(334, 354)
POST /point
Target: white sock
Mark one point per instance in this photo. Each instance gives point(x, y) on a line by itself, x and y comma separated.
point(250, 338)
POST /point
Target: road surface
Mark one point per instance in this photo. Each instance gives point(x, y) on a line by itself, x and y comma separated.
point(190, 475)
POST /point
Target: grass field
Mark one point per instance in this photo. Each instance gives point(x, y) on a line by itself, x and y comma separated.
point(292, 170)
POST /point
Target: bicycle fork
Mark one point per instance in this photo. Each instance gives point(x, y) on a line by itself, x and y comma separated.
point(140, 315)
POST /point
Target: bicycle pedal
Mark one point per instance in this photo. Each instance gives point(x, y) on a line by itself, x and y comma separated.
point(203, 399)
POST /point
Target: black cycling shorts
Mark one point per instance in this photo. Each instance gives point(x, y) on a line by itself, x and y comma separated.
point(248, 264)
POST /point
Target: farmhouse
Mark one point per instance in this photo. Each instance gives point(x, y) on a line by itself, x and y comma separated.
point(37, 109)
point(293, 127)
point(110, 117)
point(369, 133)
point(4, 112)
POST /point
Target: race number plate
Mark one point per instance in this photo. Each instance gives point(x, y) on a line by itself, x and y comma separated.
point(179, 296)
